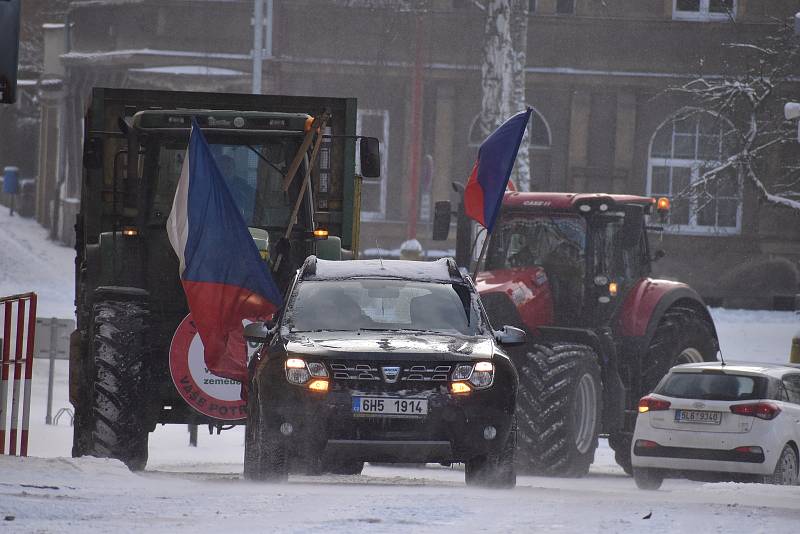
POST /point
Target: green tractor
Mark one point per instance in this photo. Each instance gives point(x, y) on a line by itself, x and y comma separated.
point(290, 163)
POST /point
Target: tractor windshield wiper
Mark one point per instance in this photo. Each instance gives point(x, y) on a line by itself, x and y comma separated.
point(265, 160)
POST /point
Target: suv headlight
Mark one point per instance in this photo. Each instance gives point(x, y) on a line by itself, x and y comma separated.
point(480, 374)
point(299, 372)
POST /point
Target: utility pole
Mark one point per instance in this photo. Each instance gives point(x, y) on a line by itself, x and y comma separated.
point(258, 44)
point(416, 126)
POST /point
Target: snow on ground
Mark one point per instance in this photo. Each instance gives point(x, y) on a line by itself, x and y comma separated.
point(200, 489)
point(31, 262)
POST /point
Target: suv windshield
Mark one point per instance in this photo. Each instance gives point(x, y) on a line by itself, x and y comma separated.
point(716, 386)
point(382, 305)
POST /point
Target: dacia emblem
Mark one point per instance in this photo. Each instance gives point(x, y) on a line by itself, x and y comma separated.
point(390, 373)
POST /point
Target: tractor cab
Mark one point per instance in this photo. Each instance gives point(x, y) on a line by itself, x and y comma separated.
point(578, 253)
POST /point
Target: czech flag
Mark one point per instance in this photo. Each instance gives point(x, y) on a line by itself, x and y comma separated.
point(487, 182)
point(223, 275)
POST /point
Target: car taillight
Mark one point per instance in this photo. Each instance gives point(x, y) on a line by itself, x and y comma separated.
point(652, 404)
point(762, 410)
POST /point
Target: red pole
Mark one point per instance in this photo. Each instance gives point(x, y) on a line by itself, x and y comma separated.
point(416, 132)
point(4, 374)
point(17, 377)
point(26, 404)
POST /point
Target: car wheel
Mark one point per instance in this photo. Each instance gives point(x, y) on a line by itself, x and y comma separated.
point(647, 479)
point(344, 467)
point(786, 469)
point(494, 470)
point(266, 456)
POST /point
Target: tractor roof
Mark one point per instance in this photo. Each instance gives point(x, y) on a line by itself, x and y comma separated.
point(568, 201)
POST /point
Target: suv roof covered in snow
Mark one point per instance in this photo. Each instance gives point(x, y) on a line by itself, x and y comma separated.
point(443, 270)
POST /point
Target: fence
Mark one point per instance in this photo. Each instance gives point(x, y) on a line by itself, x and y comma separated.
point(19, 327)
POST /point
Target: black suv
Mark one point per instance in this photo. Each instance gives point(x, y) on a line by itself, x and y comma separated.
point(382, 361)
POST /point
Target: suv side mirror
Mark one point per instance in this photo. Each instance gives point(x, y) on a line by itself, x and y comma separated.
point(370, 157)
point(510, 336)
point(441, 220)
point(257, 332)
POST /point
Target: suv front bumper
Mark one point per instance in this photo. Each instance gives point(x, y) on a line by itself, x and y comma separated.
point(454, 430)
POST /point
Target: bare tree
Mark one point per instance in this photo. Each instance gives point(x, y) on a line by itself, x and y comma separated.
point(751, 102)
point(503, 74)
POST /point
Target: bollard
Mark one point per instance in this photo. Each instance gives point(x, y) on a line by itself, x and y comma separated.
point(794, 354)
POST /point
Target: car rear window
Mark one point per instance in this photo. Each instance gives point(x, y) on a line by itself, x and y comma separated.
point(712, 386)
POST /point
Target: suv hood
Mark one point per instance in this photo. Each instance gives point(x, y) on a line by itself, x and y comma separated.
point(391, 345)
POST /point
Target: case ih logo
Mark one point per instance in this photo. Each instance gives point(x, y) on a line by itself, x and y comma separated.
point(390, 373)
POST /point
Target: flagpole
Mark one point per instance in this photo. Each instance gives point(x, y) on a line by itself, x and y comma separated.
point(483, 253)
point(258, 44)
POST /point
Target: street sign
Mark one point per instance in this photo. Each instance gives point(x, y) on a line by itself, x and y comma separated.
point(9, 50)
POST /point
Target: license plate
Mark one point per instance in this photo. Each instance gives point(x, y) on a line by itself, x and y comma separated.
point(389, 406)
point(698, 416)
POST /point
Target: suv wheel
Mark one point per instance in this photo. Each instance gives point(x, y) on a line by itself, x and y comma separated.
point(266, 456)
point(494, 470)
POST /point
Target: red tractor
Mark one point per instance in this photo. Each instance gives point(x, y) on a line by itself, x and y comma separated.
point(573, 271)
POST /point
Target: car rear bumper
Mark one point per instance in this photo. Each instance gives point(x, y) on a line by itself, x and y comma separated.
point(689, 453)
point(683, 450)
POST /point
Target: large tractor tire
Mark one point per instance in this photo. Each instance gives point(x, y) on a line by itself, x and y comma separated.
point(684, 335)
point(559, 409)
point(119, 351)
point(266, 456)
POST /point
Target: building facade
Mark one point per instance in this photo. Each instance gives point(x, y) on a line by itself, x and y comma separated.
point(596, 75)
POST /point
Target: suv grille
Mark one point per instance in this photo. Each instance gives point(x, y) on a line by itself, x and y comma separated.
point(371, 371)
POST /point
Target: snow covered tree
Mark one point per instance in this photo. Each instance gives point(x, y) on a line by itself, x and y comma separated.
point(503, 74)
point(759, 145)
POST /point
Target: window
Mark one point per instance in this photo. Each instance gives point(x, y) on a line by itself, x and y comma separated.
point(721, 387)
point(381, 304)
point(682, 150)
point(540, 141)
point(703, 9)
point(792, 385)
point(374, 123)
point(565, 7)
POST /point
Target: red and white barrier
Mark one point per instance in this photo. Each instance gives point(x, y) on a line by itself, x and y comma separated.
point(19, 327)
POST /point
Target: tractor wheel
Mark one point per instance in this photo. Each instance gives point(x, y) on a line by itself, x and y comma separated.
point(682, 336)
point(559, 410)
point(119, 348)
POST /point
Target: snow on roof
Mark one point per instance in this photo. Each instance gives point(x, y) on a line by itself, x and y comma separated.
point(190, 70)
point(438, 271)
point(111, 54)
point(769, 369)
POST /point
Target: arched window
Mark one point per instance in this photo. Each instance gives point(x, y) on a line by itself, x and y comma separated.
point(683, 148)
point(540, 139)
